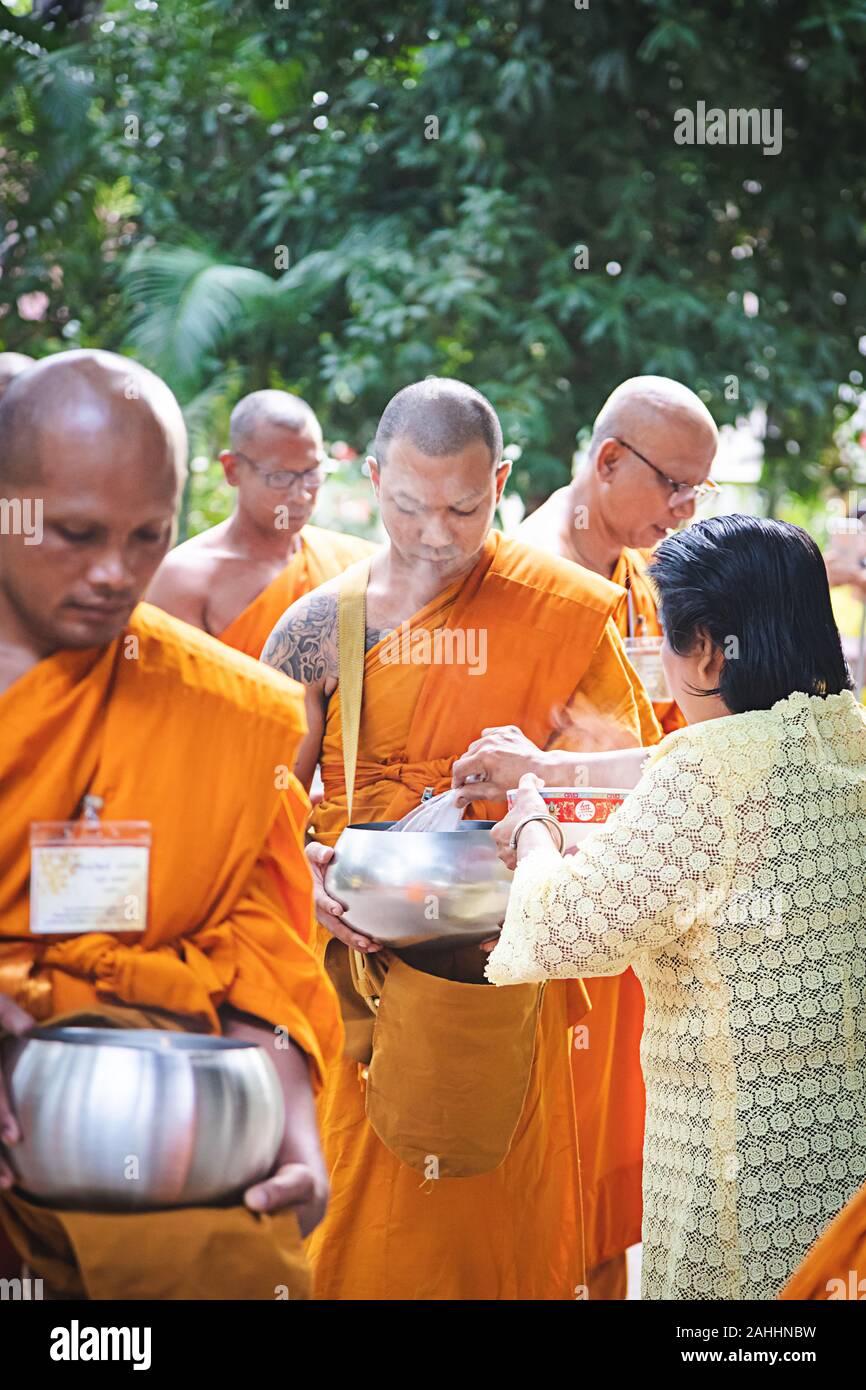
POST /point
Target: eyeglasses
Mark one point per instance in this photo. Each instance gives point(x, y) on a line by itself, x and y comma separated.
point(286, 481)
point(679, 492)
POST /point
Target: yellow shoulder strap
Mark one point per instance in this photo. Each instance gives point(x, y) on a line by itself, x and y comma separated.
point(351, 627)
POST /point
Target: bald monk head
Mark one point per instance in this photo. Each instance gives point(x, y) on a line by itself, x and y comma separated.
point(626, 495)
point(97, 444)
point(11, 365)
point(275, 460)
point(438, 472)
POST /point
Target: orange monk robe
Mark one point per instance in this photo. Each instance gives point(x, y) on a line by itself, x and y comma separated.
point(514, 1233)
point(609, 1091)
point(322, 555)
point(168, 726)
point(835, 1267)
point(640, 618)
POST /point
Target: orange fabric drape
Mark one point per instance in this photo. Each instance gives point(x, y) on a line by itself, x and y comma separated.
point(168, 726)
point(631, 574)
point(835, 1267)
point(610, 1102)
point(516, 1232)
point(322, 555)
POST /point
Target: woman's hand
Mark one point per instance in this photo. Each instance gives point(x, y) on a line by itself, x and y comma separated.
point(527, 802)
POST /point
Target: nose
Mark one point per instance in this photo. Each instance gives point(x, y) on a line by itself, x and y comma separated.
point(110, 570)
point(435, 532)
point(684, 510)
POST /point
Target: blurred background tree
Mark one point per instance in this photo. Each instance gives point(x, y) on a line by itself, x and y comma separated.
point(339, 199)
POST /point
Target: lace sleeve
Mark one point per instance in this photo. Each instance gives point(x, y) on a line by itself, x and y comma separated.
point(662, 862)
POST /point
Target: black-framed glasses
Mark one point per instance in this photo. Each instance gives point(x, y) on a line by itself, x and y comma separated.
point(679, 492)
point(285, 480)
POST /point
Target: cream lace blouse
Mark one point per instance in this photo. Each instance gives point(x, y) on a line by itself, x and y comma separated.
point(732, 880)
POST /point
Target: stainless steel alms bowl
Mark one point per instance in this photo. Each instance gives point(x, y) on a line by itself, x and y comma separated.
point(420, 887)
point(131, 1120)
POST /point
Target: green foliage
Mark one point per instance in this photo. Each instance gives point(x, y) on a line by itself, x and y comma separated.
point(173, 164)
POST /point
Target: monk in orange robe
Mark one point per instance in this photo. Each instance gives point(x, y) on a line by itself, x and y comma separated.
point(607, 520)
point(236, 579)
point(537, 634)
point(109, 705)
point(835, 1267)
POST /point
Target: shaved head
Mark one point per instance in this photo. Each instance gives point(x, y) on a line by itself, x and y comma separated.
point(95, 445)
point(87, 395)
point(270, 409)
point(441, 418)
point(11, 364)
point(274, 435)
point(652, 446)
point(654, 403)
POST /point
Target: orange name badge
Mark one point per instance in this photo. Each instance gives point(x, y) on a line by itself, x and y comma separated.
point(88, 875)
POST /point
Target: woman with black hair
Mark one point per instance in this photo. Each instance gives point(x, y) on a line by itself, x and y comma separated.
point(732, 880)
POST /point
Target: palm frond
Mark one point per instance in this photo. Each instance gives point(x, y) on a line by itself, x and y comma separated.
point(185, 304)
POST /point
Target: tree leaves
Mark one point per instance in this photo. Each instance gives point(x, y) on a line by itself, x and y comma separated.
point(426, 217)
point(185, 305)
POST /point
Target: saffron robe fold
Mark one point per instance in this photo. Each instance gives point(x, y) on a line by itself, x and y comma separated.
point(609, 1096)
point(514, 1233)
point(835, 1267)
point(167, 725)
point(322, 555)
point(642, 616)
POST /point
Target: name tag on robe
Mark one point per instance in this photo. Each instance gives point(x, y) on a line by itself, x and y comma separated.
point(88, 875)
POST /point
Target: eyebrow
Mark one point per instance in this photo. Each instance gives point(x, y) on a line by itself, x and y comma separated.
point(407, 497)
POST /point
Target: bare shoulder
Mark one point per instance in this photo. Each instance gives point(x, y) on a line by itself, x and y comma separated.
point(542, 527)
point(185, 578)
point(180, 585)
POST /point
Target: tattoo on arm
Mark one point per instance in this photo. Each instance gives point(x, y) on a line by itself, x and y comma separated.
point(304, 646)
point(372, 635)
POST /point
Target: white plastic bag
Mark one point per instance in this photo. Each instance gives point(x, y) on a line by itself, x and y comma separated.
point(437, 813)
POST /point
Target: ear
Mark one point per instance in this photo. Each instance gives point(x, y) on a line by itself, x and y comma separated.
point(606, 459)
point(375, 476)
point(502, 472)
point(710, 660)
point(229, 462)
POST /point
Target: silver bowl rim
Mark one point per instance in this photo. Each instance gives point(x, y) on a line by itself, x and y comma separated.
point(142, 1039)
point(465, 827)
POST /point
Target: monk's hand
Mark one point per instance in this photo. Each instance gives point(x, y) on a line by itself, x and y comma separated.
point(495, 763)
point(294, 1185)
point(300, 1178)
point(330, 912)
point(527, 802)
point(15, 1021)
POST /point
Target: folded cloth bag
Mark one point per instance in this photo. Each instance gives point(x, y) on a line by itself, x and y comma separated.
point(450, 1070)
point(449, 1062)
point(182, 1253)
